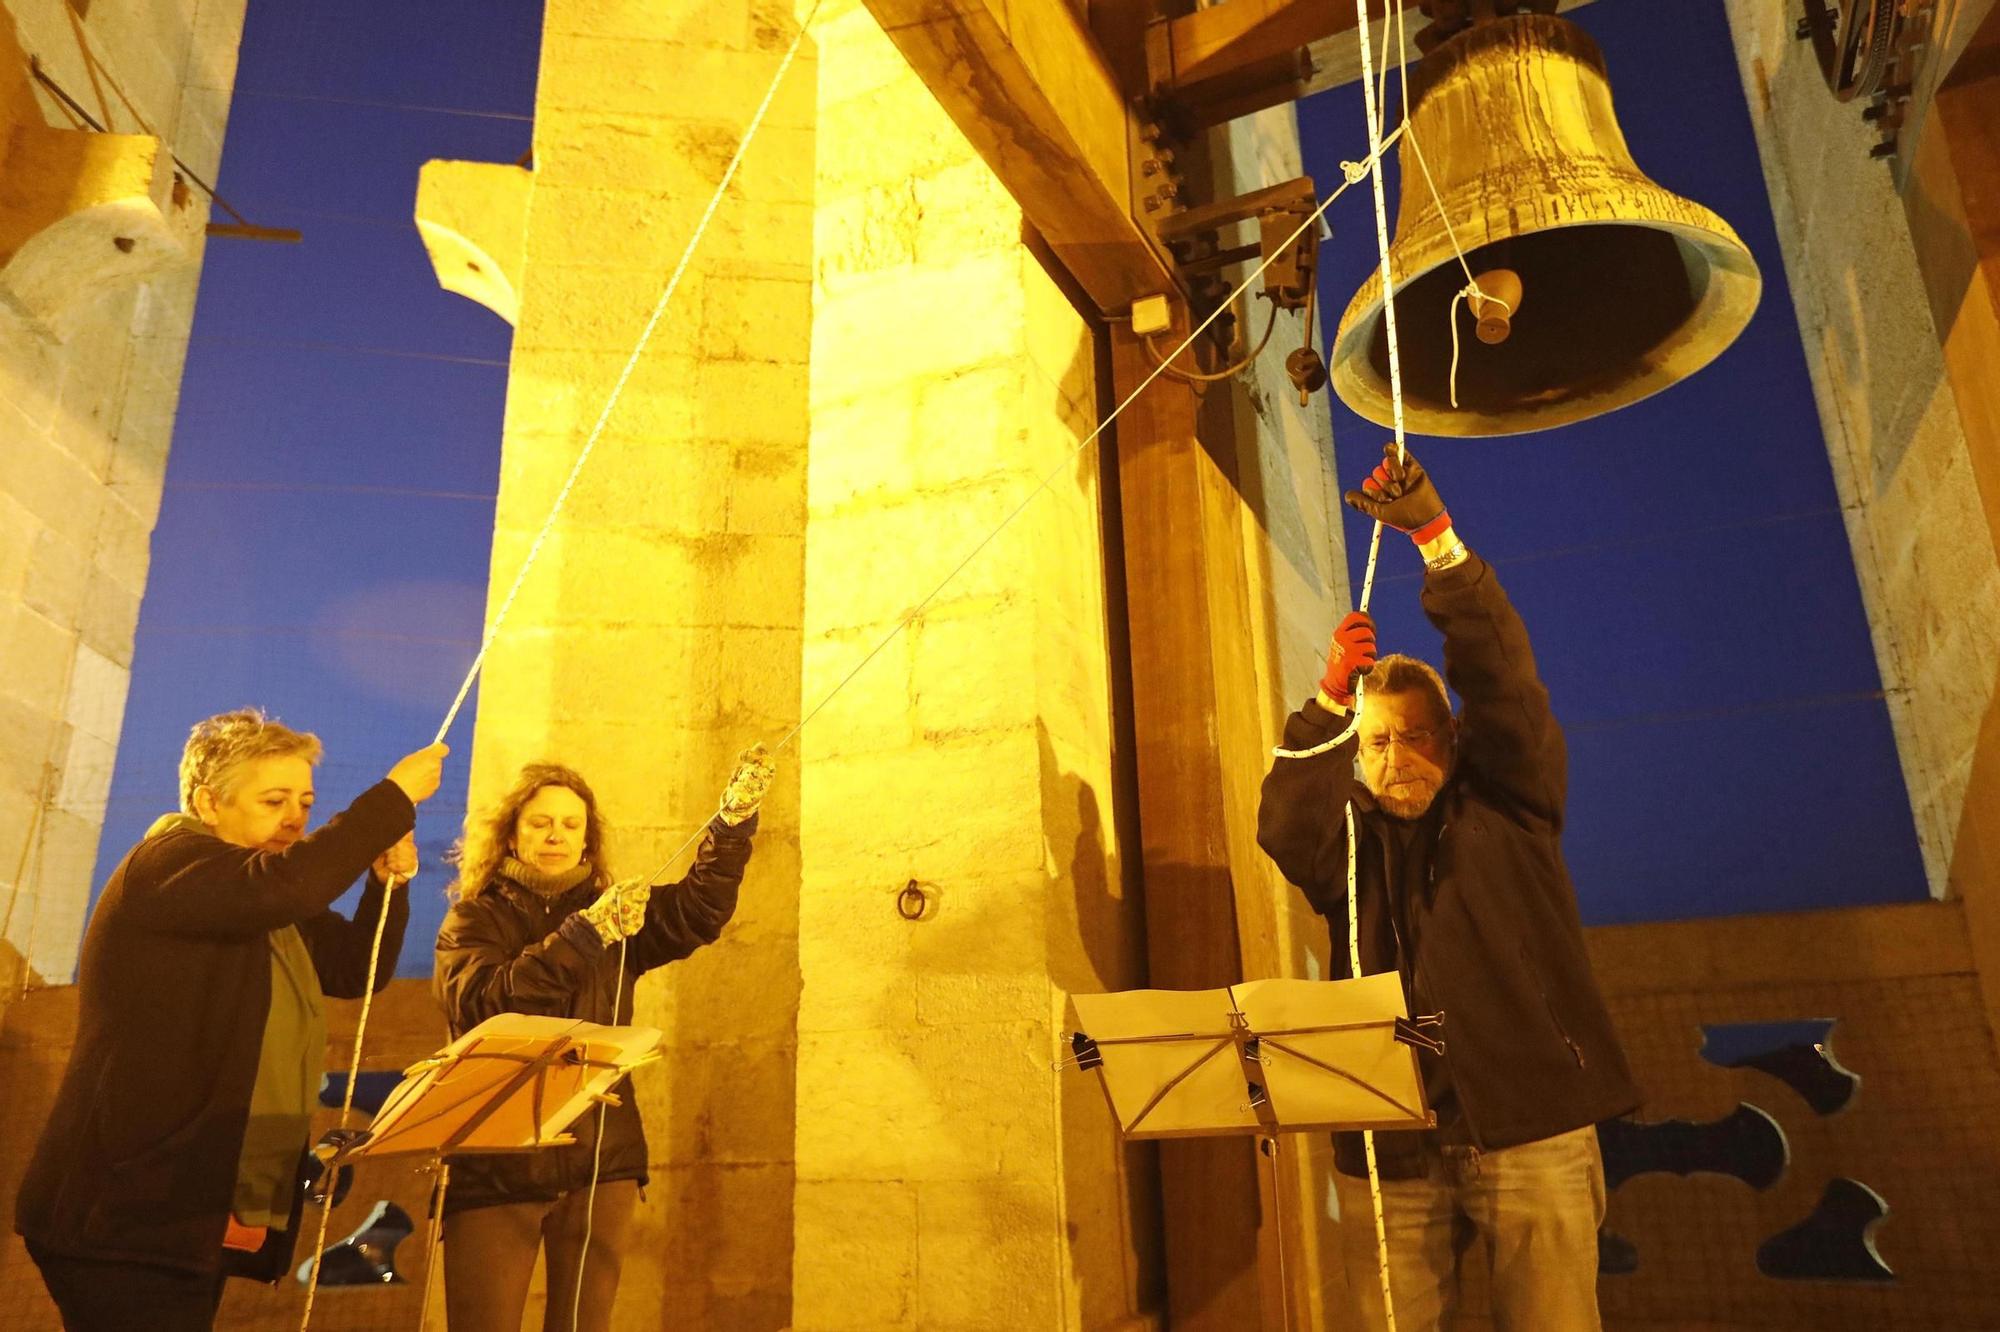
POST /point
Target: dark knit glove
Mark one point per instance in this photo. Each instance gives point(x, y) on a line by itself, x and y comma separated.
point(1399, 494)
point(1352, 655)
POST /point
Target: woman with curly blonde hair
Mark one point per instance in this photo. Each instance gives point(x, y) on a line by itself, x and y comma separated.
point(538, 926)
point(173, 1154)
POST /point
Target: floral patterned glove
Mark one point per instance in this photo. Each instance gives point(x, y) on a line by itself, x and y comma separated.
point(620, 910)
point(754, 770)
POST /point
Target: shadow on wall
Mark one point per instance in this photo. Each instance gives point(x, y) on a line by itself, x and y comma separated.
point(1112, 1187)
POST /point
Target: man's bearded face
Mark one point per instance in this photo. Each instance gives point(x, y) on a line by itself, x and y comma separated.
point(1406, 751)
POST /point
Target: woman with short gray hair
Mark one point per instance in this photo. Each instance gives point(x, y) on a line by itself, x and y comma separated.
point(173, 1155)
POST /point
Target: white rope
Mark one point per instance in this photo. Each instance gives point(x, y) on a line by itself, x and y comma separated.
point(431, 1240)
point(347, 1098)
point(631, 362)
point(715, 199)
point(1374, 113)
point(1353, 725)
point(1061, 468)
point(909, 617)
point(1471, 289)
point(1353, 172)
point(528, 561)
point(597, 1150)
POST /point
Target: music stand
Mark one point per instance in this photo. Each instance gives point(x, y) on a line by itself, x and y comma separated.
point(1259, 1058)
point(514, 1083)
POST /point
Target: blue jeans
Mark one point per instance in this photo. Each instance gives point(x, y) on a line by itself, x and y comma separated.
point(1535, 1209)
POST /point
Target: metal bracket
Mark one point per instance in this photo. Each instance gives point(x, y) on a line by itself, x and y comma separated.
point(1195, 238)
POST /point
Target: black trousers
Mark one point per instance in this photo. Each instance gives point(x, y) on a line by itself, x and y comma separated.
point(120, 1297)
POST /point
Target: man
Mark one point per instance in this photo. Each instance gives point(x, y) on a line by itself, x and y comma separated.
point(1460, 886)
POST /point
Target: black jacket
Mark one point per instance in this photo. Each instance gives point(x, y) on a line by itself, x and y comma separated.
point(138, 1160)
point(1498, 942)
point(509, 950)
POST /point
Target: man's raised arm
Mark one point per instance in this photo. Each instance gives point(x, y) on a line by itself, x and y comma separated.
point(1508, 739)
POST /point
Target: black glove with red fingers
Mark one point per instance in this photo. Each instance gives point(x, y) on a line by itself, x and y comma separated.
point(1351, 656)
point(1399, 494)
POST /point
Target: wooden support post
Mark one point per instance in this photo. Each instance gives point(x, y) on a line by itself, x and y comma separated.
point(1195, 707)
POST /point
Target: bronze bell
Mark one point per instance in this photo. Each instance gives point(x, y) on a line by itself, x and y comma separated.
point(1624, 287)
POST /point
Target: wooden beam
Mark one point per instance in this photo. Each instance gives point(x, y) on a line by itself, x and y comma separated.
point(1205, 58)
point(1183, 560)
point(1024, 83)
point(1212, 43)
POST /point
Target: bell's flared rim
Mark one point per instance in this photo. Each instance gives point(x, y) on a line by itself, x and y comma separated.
point(1731, 287)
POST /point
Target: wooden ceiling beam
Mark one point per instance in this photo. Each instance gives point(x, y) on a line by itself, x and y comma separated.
point(1213, 43)
point(1025, 83)
point(1219, 67)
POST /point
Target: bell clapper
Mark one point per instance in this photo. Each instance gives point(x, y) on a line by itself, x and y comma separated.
point(1495, 298)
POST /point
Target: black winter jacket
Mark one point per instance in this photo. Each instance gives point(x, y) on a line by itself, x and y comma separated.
point(138, 1160)
point(510, 950)
point(1499, 945)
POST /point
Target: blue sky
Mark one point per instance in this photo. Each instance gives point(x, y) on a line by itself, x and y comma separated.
point(323, 540)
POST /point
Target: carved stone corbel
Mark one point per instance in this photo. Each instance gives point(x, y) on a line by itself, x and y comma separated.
point(83, 214)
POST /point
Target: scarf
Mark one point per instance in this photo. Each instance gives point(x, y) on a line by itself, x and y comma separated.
point(543, 884)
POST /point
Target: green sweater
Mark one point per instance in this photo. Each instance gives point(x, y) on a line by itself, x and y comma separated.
point(288, 1071)
point(287, 1086)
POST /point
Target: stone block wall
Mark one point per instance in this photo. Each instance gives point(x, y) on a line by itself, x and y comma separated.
point(86, 412)
point(659, 630)
point(949, 1177)
point(1907, 1021)
point(1922, 545)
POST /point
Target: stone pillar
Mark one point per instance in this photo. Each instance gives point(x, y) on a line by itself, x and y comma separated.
point(1910, 483)
point(89, 384)
point(659, 630)
point(949, 1177)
